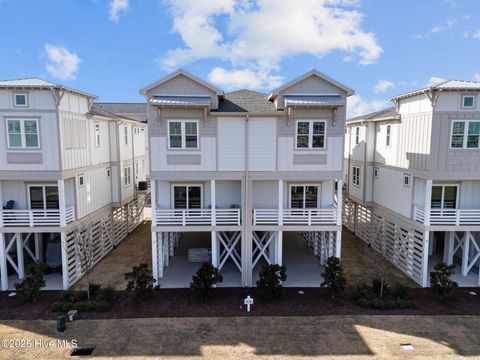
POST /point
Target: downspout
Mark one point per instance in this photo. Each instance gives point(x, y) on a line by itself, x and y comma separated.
point(365, 164)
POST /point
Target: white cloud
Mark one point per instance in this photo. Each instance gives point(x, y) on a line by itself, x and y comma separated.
point(476, 77)
point(117, 6)
point(62, 64)
point(256, 35)
point(435, 80)
point(476, 34)
point(356, 105)
point(437, 29)
point(383, 85)
point(238, 79)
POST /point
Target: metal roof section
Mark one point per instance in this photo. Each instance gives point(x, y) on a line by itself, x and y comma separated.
point(382, 115)
point(447, 85)
point(99, 111)
point(313, 100)
point(180, 100)
point(144, 90)
point(314, 72)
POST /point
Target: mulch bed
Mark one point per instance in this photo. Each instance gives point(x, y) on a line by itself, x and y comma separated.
point(229, 302)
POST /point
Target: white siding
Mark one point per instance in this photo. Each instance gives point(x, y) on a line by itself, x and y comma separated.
point(390, 192)
point(94, 194)
point(262, 134)
point(231, 144)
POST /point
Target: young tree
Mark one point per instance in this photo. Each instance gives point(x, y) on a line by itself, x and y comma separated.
point(333, 278)
point(440, 282)
point(83, 239)
point(206, 277)
point(270, 281)
point(29, 288)
point(140, 281)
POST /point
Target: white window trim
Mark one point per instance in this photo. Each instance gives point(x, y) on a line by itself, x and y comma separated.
point(129, 177)
point(388, 136)
point(457, 200)
point(463, 102)
point(96, 129)
point(183, 134)
point(15, 99)
point(43, 185)
point(109, 172)
point(465, 134)
point(376, 172)
point(409, 176)
point(125, 135)
point(319, 194)
point(353, 175)
point(22, 134)
point(357, 135)
point(78, 180)
point(172, 193)
point(310, 134)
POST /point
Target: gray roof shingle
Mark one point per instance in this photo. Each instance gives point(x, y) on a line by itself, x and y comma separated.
point(390, 112)
point(123, 108)
point(245, 101)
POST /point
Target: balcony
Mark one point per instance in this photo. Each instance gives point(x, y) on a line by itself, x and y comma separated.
point(197, 217)
point(36, 217)
point(453, 217)
point(295, 216)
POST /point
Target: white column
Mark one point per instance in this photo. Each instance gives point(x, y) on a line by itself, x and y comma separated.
point(432, 244)
point(279, 248)
point(153, 201)
point(426, 241)
point(466, 252)
point(155, 257)
point(428, 201)
point(38, 247)
point(63, 243)
point(61, 203)
point(448, 248)
point(215, 248)
point(213, 202)
point(338, 244)
point(20, 260)
point(160, 254)
point(339, 202)
point(280, 202)
point(3, 263)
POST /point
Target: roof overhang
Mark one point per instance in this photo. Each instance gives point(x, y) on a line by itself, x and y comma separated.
point(313, 100)
point(181, 100)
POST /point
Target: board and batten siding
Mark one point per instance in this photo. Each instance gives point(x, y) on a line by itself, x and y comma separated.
point(262, 141)
point(231, 144)
point(37, 99)
point(399, 200)
point(94, 194)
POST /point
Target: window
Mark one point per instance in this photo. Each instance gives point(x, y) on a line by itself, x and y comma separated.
point(310, 134)
point(465, 134)
point(444, 196)
point(81, 180)
point(182, 134)
point(388, 136)
point(43, 196)
point(187, 196)
point(20, 99)
point(108, 172)
point(375, 172)
point(125, 134)
point(468, 101)
point(127, 176)
point(407, 179)
point(22, 134)
point(356, 175)
point(304, 196)
point(357, 135)
point(97, 135)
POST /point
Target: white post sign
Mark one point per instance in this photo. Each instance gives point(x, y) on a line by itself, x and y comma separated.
point(248, 301)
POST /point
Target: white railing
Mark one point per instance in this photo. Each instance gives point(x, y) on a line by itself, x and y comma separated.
point(37, 217)
point(295, 216)
point(192, 217)
point(455, 217)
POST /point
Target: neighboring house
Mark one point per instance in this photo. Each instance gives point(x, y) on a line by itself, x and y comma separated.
point(68, 171)
point(413, 180)
point(245, 169)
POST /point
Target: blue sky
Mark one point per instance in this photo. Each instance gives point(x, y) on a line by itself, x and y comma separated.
point(112, 48)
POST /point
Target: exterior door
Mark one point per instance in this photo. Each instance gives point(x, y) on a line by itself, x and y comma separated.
point(444, 196)
point(43, 197)
point(304, 196)
point(187, 197)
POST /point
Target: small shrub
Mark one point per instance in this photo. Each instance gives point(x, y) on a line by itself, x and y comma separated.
point(206, 277)
point(93, 290)
point(333, 278)
point(367, 296)
point(270, 281)
point(69, 296)
point(363, 291)
point(29, 289)
point(400, 292)
point(440, 282)
point(81, 306)
point(106, 293)
point(140, 281)
point(379, 286)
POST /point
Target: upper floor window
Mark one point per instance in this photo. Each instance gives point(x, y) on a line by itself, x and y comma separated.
point(356, 175)
point(465, 134)
point(468, 101)
point(182, 134)
point(127, 176)
point(22, 134)
point(375, 172)
point(357, 135)
point(125, 134)
point(388, 136)
point(81, 180)
point(97, 135)
point(310, 134)
point(407, 178)
point(20, 99)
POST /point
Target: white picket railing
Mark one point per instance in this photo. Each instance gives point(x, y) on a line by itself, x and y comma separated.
point(295, 216)
point(36, 217)
point(455, 217)
point(192, 217)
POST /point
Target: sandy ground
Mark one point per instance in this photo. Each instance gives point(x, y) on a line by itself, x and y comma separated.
point(352, 337)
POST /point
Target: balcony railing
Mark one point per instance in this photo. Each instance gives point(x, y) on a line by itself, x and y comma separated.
point(295, 216)
point(192, 217)
point(455, 217)
point(36, 217)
